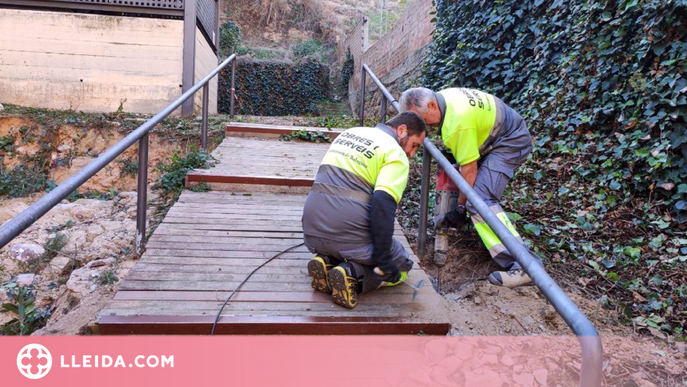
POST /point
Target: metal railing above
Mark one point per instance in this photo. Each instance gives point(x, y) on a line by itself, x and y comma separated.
point(592, 350)
point(26, 218)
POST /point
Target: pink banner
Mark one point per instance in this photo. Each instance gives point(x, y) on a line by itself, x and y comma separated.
point(289, 361)
point(328, 361)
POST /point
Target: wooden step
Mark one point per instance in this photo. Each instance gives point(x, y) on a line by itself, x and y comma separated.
point(242, 129)
point(262, 165)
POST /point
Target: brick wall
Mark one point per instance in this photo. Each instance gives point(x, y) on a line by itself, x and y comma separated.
point(395, 58)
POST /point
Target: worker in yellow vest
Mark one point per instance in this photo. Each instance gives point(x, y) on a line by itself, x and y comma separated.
point(489, 141)
point(348, 217)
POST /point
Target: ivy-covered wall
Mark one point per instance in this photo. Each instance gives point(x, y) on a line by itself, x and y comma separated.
point(601, 80)
point(273, 88)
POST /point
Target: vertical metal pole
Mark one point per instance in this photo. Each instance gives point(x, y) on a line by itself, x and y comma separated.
point(233, 88)
point(204, 128)
point(189, 54)
point(382, 112)
point(141, 204)
point(362, 96)
point(424, 203)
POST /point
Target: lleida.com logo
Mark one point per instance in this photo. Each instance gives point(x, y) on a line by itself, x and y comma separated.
point(34, 361)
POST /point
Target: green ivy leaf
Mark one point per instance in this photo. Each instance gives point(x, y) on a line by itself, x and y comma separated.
point(532, 229)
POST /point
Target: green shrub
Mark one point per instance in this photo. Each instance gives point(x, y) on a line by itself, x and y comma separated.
point(22, 180)
point(305, 135)
point(174, 173)
point(229, 38)
point(6, 144)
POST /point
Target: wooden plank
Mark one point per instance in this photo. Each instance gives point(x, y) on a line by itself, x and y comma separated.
point(204, 261)
point(220, 273)
point(302, 286)
point(190, 214)
point(248, 297)
point(192, 177)
point(166, 230)
point(291, 325)
point(213, 208)
point(198, 307)
point(264, 241)
point(223, 254)
point(262, 130)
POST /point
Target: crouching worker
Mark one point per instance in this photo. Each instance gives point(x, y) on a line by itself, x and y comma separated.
point(348, 218)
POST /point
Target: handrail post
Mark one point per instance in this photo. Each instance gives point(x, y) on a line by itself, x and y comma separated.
point(382, 111)
point(424, 203)
point(233, 89)
point(362, 96)
point(142, 194)
point(204, 127)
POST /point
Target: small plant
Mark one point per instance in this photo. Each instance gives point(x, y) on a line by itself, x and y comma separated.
point(68, 224)
point(307, 48)
point(128, 168)
point(201, 187)
point(7, 144)
point(27, 316)
point(305, 135)
point(175, 172)
point(108, 278)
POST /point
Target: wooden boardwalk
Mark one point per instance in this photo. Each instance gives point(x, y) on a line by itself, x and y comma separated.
point(209, 242)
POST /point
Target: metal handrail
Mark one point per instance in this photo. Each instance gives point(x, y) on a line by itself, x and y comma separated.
point(27, 217)
point(592, 350)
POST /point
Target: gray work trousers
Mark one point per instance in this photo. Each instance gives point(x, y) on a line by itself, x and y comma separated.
point(359, 255)
point(508, 152)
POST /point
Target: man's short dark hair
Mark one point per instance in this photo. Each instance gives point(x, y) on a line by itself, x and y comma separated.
point(415, 124)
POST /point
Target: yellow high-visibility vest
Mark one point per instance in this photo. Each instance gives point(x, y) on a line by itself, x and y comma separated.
point(468, 120)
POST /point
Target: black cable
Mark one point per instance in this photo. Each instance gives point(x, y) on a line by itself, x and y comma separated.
point(214, 325)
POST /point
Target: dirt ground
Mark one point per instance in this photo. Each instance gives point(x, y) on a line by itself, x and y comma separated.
point(477, 308)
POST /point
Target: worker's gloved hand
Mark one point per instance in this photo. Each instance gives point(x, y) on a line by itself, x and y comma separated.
point(388, 273)
point(456, 218)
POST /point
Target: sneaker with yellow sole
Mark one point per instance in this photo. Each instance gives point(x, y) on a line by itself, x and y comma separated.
point(318, 269)
point(344, 285)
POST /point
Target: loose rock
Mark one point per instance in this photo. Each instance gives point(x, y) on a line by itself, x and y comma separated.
point(101, 263)
point(25, 279)
point(26, 252)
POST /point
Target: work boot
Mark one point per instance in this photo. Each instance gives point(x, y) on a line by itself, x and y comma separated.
point(344, 285)
point(318, 269)
point(511, 278)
